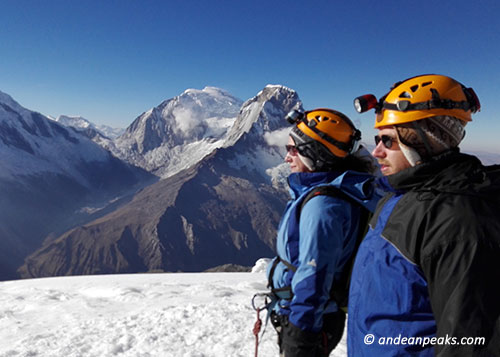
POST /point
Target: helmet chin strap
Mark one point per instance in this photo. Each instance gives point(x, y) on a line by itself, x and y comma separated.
point(314, 158)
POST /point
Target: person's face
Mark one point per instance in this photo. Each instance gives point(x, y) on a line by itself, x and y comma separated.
point(391, 160)
point(293, 159)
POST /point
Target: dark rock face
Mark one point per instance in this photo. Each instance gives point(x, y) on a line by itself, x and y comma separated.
point(35, 208)
point(193, 221)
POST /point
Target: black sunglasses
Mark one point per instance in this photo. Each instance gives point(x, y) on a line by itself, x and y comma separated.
point(386, 140)
point(292, 149)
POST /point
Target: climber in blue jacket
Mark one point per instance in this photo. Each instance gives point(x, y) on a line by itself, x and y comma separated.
point(315, 242)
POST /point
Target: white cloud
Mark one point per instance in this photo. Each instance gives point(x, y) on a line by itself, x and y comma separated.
point(189, 120)
point(277, 137)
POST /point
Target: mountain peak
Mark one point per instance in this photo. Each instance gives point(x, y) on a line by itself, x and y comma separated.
point(6, 99)
point(264, 112)
point(279, 87)
point(74, 121)
point(208, 102)
point(210, 90)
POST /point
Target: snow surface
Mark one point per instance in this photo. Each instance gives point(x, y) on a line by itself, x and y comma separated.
point(168, 314)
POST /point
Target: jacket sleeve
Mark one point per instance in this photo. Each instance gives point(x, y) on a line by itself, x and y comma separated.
point(323, 224)
point(463, 275)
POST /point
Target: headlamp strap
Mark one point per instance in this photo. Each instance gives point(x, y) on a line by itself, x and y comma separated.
point(405, 105)
point(435, 103)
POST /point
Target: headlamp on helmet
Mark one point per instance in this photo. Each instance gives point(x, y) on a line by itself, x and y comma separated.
point(294, 116)
point(365, 102)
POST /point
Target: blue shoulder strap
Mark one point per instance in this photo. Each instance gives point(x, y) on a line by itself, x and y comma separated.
point(325, 190)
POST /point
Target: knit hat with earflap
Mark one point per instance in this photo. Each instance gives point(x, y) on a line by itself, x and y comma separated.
point(422, 139)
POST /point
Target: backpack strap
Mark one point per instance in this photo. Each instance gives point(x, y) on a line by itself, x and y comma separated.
point(324, 190)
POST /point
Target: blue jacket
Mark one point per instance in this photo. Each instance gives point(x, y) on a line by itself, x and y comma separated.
point(426, 274)
point(327, 233)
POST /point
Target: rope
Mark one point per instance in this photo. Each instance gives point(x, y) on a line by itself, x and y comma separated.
point(256, 330)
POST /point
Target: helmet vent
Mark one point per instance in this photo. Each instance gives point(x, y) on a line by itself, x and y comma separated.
point(414, 88)
point(405, 94)
point(426, 84)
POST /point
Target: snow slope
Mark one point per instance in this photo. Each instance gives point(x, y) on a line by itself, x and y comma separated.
point(31, 143)
point(174, 314)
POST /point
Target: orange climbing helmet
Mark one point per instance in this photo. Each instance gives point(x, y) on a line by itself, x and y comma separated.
point(421, 97)
point(331, 128)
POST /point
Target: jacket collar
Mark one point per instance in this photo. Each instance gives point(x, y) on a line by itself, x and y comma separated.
point(359, 186)
point(300, 182)
point(449, 171)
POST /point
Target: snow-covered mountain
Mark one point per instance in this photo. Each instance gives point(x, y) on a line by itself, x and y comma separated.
point(102, 135)
point(32, 144)
point(222, 209)
point(48, 174)
point(179, 132)
point(82, 124)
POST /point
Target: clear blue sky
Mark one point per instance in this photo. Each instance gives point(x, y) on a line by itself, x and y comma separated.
point(109, 61)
